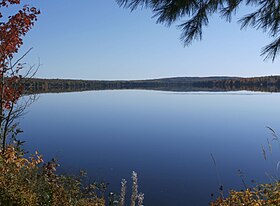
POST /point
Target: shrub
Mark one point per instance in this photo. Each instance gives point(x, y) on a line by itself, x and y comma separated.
point(264, 194)
point(29, 182)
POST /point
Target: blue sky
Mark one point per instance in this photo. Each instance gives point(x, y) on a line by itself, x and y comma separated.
point(95, 39)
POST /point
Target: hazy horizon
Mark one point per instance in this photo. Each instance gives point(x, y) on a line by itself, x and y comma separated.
point(167, 77)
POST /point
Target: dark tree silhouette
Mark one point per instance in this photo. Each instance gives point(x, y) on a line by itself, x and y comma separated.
point(266, 16)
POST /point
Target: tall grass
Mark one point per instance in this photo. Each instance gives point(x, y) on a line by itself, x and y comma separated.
point(136, 197)
point(259, 195)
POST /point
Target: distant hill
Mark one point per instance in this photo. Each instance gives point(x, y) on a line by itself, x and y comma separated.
point(180, 84)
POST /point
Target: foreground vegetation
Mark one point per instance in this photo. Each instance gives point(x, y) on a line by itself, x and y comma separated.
point(262, 195)
point(28, 182)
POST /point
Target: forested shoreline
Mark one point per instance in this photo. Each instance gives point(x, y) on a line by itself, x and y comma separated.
point(179, 84)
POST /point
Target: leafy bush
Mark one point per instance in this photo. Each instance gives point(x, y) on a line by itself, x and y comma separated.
point(264, 194)
point(28, 182)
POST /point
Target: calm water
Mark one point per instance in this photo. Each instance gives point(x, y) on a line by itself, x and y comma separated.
point(166, 137)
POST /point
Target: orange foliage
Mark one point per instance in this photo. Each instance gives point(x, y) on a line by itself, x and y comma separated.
point(11, 156)
point(12, 31)
point(11, 34)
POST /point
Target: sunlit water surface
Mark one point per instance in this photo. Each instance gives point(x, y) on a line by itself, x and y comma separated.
point(166, 137)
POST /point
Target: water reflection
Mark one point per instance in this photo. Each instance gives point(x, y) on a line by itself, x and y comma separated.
point(166, 138)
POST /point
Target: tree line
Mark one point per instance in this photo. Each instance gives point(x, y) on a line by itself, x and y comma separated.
point(266, 84)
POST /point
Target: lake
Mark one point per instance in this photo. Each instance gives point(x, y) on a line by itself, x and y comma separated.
point(166, 137)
